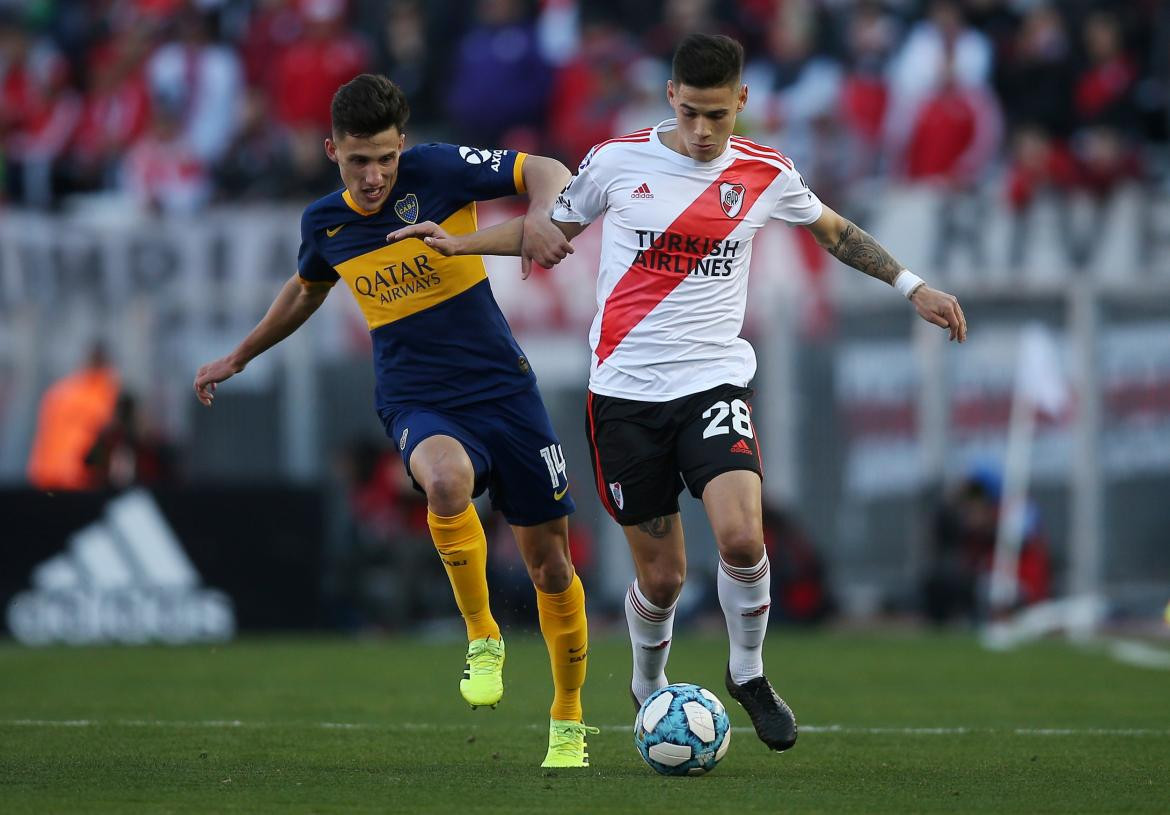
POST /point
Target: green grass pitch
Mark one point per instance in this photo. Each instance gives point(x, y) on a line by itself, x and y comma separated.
point(891, 723)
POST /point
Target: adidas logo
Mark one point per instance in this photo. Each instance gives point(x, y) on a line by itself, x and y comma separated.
point(741, 446)
point(124, 578)
point(642, 191)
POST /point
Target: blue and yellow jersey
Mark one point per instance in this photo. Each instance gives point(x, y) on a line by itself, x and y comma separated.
point(439, 336)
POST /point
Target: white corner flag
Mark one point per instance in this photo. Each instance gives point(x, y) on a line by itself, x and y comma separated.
point(1041, 386)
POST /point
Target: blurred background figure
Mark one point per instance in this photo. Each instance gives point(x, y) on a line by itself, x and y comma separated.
point(500, 82)
point(962, 549)
point(382, 572)
point(74, 411)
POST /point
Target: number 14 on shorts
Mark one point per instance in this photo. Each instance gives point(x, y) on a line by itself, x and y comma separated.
point(554, 459)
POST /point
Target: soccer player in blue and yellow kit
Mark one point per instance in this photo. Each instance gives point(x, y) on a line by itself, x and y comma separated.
point(453, 388)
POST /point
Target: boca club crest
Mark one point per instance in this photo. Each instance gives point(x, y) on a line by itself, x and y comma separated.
point(731, 198)
point(406, 208)
point(615, 489)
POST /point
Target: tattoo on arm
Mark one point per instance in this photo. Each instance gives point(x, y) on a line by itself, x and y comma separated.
point(858, 249)
point(656, 527)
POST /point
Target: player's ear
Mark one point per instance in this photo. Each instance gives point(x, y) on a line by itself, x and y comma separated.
point(331, 149)
point(670, 92)
point(742, 97)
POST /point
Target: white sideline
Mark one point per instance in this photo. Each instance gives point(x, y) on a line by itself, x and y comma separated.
point(609, 728)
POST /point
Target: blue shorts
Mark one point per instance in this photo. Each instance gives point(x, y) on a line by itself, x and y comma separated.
point(512, 446)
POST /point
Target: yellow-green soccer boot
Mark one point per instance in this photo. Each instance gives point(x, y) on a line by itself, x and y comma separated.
point(483, 677)
point(566, 744)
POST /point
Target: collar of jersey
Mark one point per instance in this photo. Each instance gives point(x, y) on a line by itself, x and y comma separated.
point(719, 163)
point(349, 202)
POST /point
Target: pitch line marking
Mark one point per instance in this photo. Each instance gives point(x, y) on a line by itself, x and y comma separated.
point(609, 728)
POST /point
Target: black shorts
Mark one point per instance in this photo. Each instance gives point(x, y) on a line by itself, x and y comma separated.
point(645, 453)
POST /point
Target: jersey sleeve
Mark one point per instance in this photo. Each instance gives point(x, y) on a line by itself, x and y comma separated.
point(480, 174)
point(797, 204)
point(311, 267)
point(584, 199)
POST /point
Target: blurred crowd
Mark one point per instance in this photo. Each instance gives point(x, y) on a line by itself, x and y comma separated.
point(174, 104)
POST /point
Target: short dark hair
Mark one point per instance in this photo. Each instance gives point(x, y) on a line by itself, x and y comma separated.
point(707, 61)
point(368, 104)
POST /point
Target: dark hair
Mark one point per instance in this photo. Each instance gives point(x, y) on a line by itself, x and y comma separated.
point(707, 61)
point(368, 104)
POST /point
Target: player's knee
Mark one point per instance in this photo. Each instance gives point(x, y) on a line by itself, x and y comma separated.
point(553, 574)
point(449, 489)
point(741, 545)
point(662, 586)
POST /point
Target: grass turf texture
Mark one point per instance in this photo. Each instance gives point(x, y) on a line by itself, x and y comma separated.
point(252, 727)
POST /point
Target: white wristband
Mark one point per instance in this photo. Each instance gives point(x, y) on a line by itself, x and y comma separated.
point(907, 283)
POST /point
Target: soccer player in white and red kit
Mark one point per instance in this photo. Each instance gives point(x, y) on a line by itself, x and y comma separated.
point(669, 405)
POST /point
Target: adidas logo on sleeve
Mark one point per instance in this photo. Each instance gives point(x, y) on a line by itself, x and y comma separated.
point(642, 191)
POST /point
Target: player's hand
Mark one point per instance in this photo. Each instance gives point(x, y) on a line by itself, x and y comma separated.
point(942, 309)
point(211, 375)
point(542, 242)
point(429, 233)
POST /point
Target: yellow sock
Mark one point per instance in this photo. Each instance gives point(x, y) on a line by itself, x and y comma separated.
point(566, 633)
point(463, 549)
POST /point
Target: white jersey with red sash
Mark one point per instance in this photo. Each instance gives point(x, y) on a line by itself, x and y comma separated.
point(676, 245)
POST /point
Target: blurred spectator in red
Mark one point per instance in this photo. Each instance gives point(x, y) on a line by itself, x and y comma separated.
point(500, 83)
point(589, 92)
point(73, 412)
point(200, 80)
point(943, 38)
point(162, 173)
point(1039, 166)
point(870, 36)
point(962, 551)
point(800, 585)
point(953, 139)
point(310, 69)
point(955, 135)
point(116, 108)
point(39, 112)
point(272, 27)
point(1104, 89)
point(128, 451)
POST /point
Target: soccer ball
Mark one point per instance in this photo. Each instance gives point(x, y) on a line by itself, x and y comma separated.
point(682, 730)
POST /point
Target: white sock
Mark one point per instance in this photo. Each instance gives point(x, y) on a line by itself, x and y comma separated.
point(651, 628)
point(745, 595)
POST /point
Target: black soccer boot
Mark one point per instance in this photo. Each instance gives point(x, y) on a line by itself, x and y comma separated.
point(770, 715)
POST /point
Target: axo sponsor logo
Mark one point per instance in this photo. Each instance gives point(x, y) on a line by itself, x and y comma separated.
point(124, 578)
point(474, 155)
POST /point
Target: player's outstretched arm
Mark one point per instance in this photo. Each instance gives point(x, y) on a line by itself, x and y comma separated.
point(292, 306)
point(854, 247)
point(502, 239)
point(544, 178)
